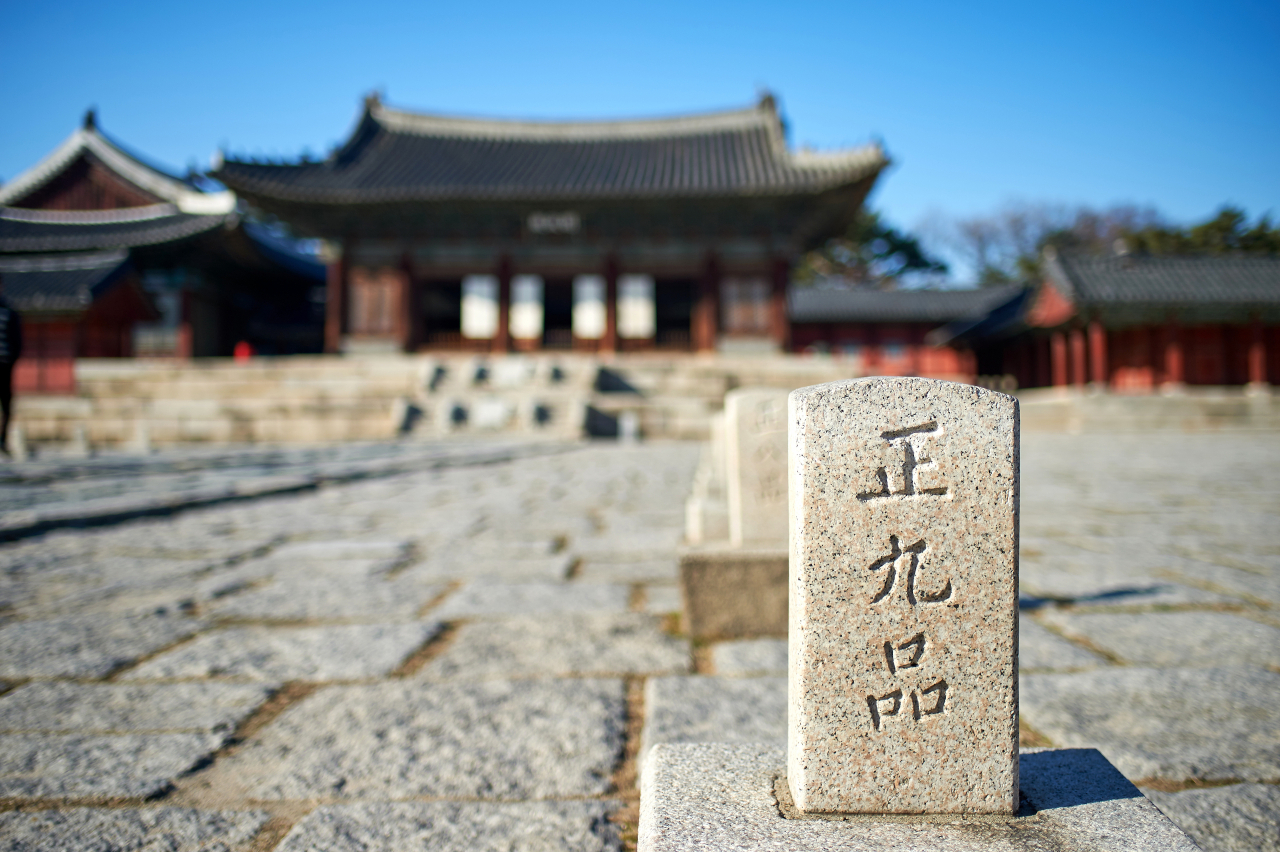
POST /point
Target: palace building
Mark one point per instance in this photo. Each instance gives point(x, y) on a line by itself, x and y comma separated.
point(108, 256)
point(488, 235)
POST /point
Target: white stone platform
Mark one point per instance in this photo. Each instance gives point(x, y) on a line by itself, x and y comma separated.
point(711, 797)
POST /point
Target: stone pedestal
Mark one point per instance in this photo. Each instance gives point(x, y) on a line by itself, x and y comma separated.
point(711, 797)
point(734, 594)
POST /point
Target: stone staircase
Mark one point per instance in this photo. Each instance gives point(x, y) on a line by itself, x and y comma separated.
point(317, 399)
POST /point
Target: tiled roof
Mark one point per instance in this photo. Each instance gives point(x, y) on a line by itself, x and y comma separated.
point(818, 304)
point(89, 140)
point(1168, 280)
point(50, 230)
point(63, 282)
point(396, 156)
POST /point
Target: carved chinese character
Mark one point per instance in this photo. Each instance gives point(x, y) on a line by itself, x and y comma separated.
point(913, 471)
point(906, 560)
point(897, 661)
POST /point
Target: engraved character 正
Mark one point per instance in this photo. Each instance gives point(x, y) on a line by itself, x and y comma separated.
point(911, 470)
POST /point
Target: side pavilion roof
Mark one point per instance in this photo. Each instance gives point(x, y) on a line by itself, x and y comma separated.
point(89, 142)
point(1173, 280)
point(61, 282)
point(397, 156)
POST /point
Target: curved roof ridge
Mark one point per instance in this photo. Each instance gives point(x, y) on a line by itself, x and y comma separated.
point(90, 217)
point(62, 262)
point(430, 124)
point(89, 139)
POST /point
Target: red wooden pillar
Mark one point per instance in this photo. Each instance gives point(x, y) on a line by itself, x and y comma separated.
point(1098, 372)
point(502, 334)
point(1058, 358)
point(1174, 362)
point(335, 306)
point(609, 342)
point(406, 325)
point(1076, 337)
point(779, 327)
point(1257, 353)
point(707, 308)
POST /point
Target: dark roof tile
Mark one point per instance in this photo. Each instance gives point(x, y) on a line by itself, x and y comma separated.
point(817, 304)
point(397, 156)
point(1168, 280)
point(39, 230)
point(63, 282)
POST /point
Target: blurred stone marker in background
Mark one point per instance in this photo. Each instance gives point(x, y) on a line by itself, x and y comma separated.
point(756, 455)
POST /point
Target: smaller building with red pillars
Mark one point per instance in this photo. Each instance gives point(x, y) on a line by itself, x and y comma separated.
point(1133, 323)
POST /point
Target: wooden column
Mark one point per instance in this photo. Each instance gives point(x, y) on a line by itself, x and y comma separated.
point(335, 308)
point(609, 342)
point(1174, 362)
point(779, 327)
point(406, 326)
point(1257, 353)
point(1098, 372)
point(1058, 358)
point(707, 307)
point(502, 335)
point(1076, 338)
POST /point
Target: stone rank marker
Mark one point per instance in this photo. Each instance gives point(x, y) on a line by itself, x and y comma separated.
point(902, 686)
point(756, 458)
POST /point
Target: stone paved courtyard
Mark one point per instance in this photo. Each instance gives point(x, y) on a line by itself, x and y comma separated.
point(476, 653)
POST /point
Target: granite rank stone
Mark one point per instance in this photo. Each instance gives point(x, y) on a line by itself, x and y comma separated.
point(756, 461)
point(902, 693)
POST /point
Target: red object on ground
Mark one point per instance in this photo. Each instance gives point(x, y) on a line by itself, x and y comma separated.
point(243, 351)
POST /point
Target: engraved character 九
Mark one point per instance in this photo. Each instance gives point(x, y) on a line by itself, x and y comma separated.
point(906, 562)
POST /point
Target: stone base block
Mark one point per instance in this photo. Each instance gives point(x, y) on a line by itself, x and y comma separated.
point(734, 594)
point(713, 797)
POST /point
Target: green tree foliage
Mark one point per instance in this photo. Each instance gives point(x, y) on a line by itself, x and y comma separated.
point(1227, 232)
point(1008, 246)
point(872, 254)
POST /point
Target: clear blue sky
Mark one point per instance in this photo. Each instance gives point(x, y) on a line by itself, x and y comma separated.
point(1172, 104)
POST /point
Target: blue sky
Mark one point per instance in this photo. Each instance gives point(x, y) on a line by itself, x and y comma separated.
point(1170, 104)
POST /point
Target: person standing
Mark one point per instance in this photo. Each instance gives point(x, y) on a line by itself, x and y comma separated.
point(10, 351)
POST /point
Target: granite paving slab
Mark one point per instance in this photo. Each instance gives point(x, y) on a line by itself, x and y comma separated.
point(492, 599)
point(87, 645)
point(83, 765)
point(750, 657)
point(1216, 724)
point(123, 707)
point(663, 599)
point(129, 829)
point(560, 645)
point(457, 827)
point(710, 709)
point(336, 652)
point(642, 571)
point(714, 797)
point(1105, 587)
point(546, 569)
point(327, 598)
point(341, 550)
point(490, 740)
point(1237, 818)
point(306, 569)
point(1040, 649)
point(1175, 638)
